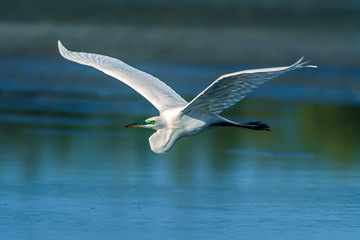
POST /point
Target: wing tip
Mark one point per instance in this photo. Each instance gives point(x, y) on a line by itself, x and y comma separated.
point(300, 64)
point(62, 50)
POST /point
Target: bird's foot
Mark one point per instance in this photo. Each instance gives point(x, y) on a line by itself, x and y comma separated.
point(257, 126)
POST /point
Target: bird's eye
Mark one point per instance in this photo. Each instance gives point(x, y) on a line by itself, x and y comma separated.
point(150, 122)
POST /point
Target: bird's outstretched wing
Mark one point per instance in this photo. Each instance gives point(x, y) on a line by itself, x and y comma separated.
point(155, 91)
point(230, 88)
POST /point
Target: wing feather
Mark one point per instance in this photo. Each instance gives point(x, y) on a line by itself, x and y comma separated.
point(231, 88)
point(155, 91)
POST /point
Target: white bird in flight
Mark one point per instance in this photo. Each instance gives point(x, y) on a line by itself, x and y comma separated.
point(177, 117)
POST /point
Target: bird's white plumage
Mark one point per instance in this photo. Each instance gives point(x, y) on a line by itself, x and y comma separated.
point(154, 90)
point(177, 117)
point(231, 88)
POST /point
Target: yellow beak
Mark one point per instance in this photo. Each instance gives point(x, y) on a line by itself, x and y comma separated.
point(136, 125)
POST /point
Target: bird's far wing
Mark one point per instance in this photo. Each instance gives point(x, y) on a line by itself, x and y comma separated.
point(230, 88)
point(155, 91)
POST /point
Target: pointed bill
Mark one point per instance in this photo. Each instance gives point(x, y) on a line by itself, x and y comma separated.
point(136, 125)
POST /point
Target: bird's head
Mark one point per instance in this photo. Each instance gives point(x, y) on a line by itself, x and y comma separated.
point(153, 123)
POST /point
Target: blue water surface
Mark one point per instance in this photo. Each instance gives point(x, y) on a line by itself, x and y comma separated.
point(69, 170)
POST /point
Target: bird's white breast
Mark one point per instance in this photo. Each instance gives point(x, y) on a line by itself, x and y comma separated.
point(184, 124)
point(175, 125)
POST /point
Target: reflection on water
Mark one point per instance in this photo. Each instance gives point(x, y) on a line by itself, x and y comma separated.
point(68, 168)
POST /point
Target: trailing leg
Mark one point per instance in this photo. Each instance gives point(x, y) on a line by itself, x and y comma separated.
point(250, 125)
point(255, 126)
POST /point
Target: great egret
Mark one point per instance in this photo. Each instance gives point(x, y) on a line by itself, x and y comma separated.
point(177, 117)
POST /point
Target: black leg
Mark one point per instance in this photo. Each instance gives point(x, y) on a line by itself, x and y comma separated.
point(256, 126)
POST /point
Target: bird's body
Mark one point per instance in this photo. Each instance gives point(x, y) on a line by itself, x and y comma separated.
point(173, 124)
point(177, 117)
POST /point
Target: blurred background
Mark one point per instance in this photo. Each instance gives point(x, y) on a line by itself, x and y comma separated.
point(69, 169)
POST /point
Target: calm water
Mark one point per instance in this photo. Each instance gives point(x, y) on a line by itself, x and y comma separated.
point(69, 170)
